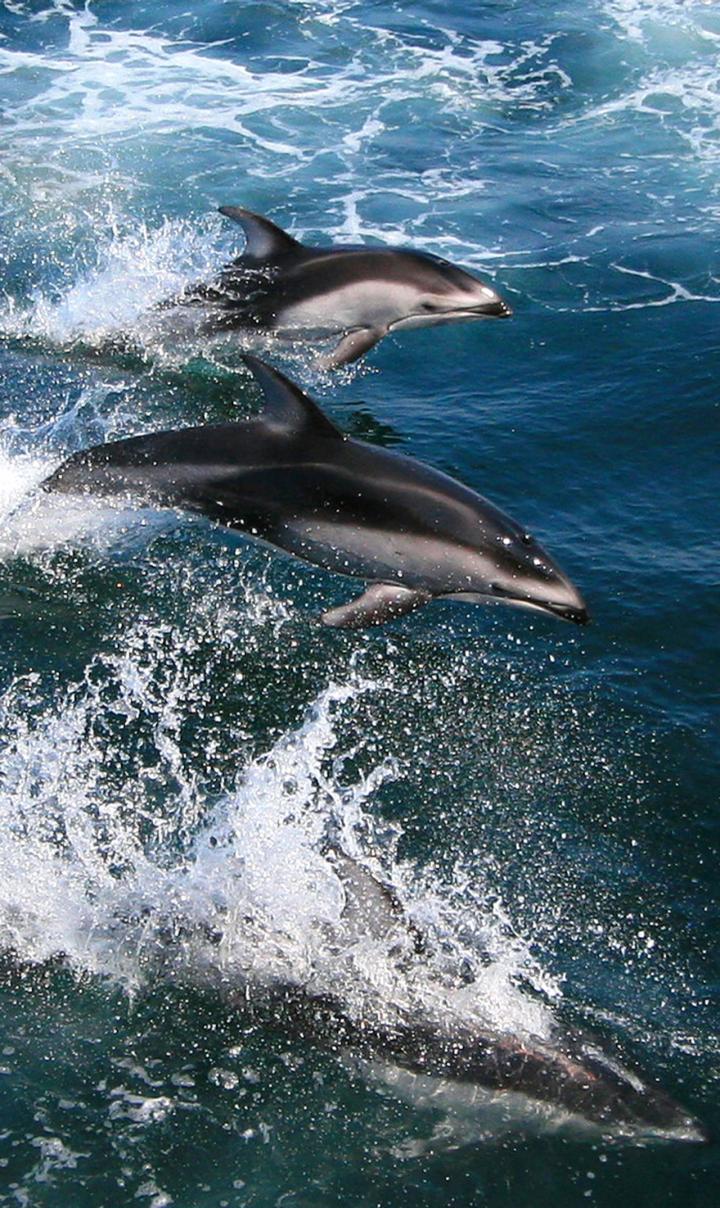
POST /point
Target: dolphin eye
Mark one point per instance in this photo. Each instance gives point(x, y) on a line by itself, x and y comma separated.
point(428, 306)
point(526, 539)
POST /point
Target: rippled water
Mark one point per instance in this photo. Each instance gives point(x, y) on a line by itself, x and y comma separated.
point(179, 738)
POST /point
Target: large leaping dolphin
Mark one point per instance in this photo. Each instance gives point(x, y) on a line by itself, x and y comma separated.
point(291, 478)
point(353, 294)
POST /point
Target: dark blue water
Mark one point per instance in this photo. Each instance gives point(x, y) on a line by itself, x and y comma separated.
point(543, 799)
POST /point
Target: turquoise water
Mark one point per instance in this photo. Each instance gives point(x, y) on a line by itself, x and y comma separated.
point(177, 734)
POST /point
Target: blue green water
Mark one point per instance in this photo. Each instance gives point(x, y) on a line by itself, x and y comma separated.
point(543, 799)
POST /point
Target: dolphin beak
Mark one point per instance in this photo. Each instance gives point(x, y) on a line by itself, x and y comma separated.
point(560, 597)
point(492, 307)
point(498, 309)
point(565, 602)
point(568, 612)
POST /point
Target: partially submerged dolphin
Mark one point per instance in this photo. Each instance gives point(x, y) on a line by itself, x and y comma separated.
point(356, 294)
point(564, 1080)
point(291, 478)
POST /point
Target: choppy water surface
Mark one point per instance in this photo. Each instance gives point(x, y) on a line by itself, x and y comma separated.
point(178, 737)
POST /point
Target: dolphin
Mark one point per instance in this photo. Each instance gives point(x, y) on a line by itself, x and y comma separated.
point(356, 294)
point(290, 477)
point(565, 1080)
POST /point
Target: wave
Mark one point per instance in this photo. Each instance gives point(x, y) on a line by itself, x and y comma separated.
point(107, 82)
point(94, 108)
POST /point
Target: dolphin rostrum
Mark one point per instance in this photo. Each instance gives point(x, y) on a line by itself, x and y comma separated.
point(356, 294)
point(291, 478)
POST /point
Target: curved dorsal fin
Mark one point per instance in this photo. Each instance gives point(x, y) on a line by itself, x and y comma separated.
point(265, 241)
point(286, 407)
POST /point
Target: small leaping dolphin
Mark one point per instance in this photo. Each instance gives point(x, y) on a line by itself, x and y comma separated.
point(291, 478)
point(356, 294)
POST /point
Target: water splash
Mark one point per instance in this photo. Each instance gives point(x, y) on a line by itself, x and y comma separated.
point(99, 867)
point(32, 523)
point(115, 297)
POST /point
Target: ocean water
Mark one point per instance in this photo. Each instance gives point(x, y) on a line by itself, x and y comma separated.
point(178, 735)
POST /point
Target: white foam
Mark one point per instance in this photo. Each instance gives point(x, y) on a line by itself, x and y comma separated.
point(19, 475)
point(691, 90)
point(108, 86)
point(640, 19)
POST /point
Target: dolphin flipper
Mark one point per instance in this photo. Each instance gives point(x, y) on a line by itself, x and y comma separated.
point(352, 346)
point(265, 241)
point(381, 602)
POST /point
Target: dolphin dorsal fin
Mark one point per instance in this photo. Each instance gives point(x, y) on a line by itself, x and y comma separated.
point(265, 241)
point(286, 407)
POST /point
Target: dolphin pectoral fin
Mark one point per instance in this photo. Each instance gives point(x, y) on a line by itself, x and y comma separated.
point(351, 347)
point(265, 241)
point(381, 602)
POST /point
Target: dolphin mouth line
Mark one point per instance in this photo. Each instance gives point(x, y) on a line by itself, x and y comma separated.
point(578, 616)
point(484, 310)
point(488, 310)
point(496, 309)
point(576, 613)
